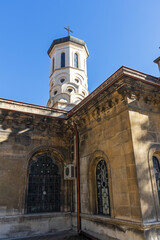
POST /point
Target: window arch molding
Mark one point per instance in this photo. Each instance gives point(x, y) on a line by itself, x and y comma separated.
point(154, 151)
point(69, 86)
point(58, 159)
point(95, 158)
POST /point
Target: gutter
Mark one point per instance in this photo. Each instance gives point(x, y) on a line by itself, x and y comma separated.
point(78, 180)
point(78, 190)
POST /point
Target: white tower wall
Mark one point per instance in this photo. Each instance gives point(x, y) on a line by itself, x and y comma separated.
point(68, 85)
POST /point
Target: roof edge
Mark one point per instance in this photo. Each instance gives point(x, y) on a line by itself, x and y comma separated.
point(67, 39)
point(157, 60)
point(122, 71)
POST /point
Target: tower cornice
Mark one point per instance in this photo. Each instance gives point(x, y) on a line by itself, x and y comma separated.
point(67, 39)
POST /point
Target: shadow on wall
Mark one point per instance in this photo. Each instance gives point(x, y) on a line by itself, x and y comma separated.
point(19, 134)
point(145, 137)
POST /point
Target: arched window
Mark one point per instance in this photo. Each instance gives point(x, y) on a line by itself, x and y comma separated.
point(76, 60)
point(70, 90)
point(62, 60)
point(62, 80)
point(44, 186)
point(102, 188)
point(76, 80)
point(53, 65)
point(156, 168)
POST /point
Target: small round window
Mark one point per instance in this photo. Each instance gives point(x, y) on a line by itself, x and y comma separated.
point(62, 80)
point(70, 90)
point(77, 81)
point(55, 92)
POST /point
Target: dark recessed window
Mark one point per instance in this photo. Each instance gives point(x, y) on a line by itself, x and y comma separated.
point(70, 90)
point(55, 92)
point(62, 80)
point(62, 60)
point(53, 65)
point(76, 60)
point(77, 81)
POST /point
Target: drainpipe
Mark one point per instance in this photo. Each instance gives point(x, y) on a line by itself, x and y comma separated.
point(78, 180)
point(78, 190)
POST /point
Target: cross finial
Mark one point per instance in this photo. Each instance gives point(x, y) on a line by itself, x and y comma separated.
point(69, 30)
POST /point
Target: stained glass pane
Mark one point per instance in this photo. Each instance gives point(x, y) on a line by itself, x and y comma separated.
point(156, 168)
point(102, 188)
point(44, 186)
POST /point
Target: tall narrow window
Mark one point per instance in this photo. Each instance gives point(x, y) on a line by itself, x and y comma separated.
point(102, 188)
point(156, 168)
point(53, 65)
point(62, 59)
point(44, 186)
point(76, 60)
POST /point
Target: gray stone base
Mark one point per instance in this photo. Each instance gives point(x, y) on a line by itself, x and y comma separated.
point(104, 228)
point(21, 226)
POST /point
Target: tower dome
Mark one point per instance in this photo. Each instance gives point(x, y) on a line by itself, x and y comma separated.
point(68, 78)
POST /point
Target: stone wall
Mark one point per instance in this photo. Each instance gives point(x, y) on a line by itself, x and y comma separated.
point(123, 128)
point(22, 137)
point(145, 125)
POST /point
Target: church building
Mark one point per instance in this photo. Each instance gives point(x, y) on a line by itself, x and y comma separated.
point(86, 162)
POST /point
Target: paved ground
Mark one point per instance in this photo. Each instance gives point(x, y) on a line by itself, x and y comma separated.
point(71, 235)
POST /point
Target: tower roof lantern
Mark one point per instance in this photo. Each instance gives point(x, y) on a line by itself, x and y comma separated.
point(67, 39)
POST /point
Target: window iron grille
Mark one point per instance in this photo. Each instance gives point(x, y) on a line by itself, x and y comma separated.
point(44, 186)
point(156, 168)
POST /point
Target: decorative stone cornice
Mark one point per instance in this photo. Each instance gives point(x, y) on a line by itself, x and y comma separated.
point(22, 123)
point(32, 109)
point(124, 84)
point(117, 79)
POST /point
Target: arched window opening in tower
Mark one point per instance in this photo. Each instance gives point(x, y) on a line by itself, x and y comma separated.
point(70, 90)
point(77, 81)
point(62, 80)
point(53, 65)
point(156, 168)
point(83, 93)
point(55, 92)
point(43, 186)
point(103, 199)
point(62, 60)
point(76, 60)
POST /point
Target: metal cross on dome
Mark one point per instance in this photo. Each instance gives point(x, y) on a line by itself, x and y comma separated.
point(69, 30)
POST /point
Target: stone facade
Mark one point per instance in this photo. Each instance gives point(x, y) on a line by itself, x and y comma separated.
point(118, 123)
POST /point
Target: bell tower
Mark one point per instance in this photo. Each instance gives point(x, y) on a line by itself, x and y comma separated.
point(68, 78)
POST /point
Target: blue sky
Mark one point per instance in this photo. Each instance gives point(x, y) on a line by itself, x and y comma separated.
point(117, 32)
